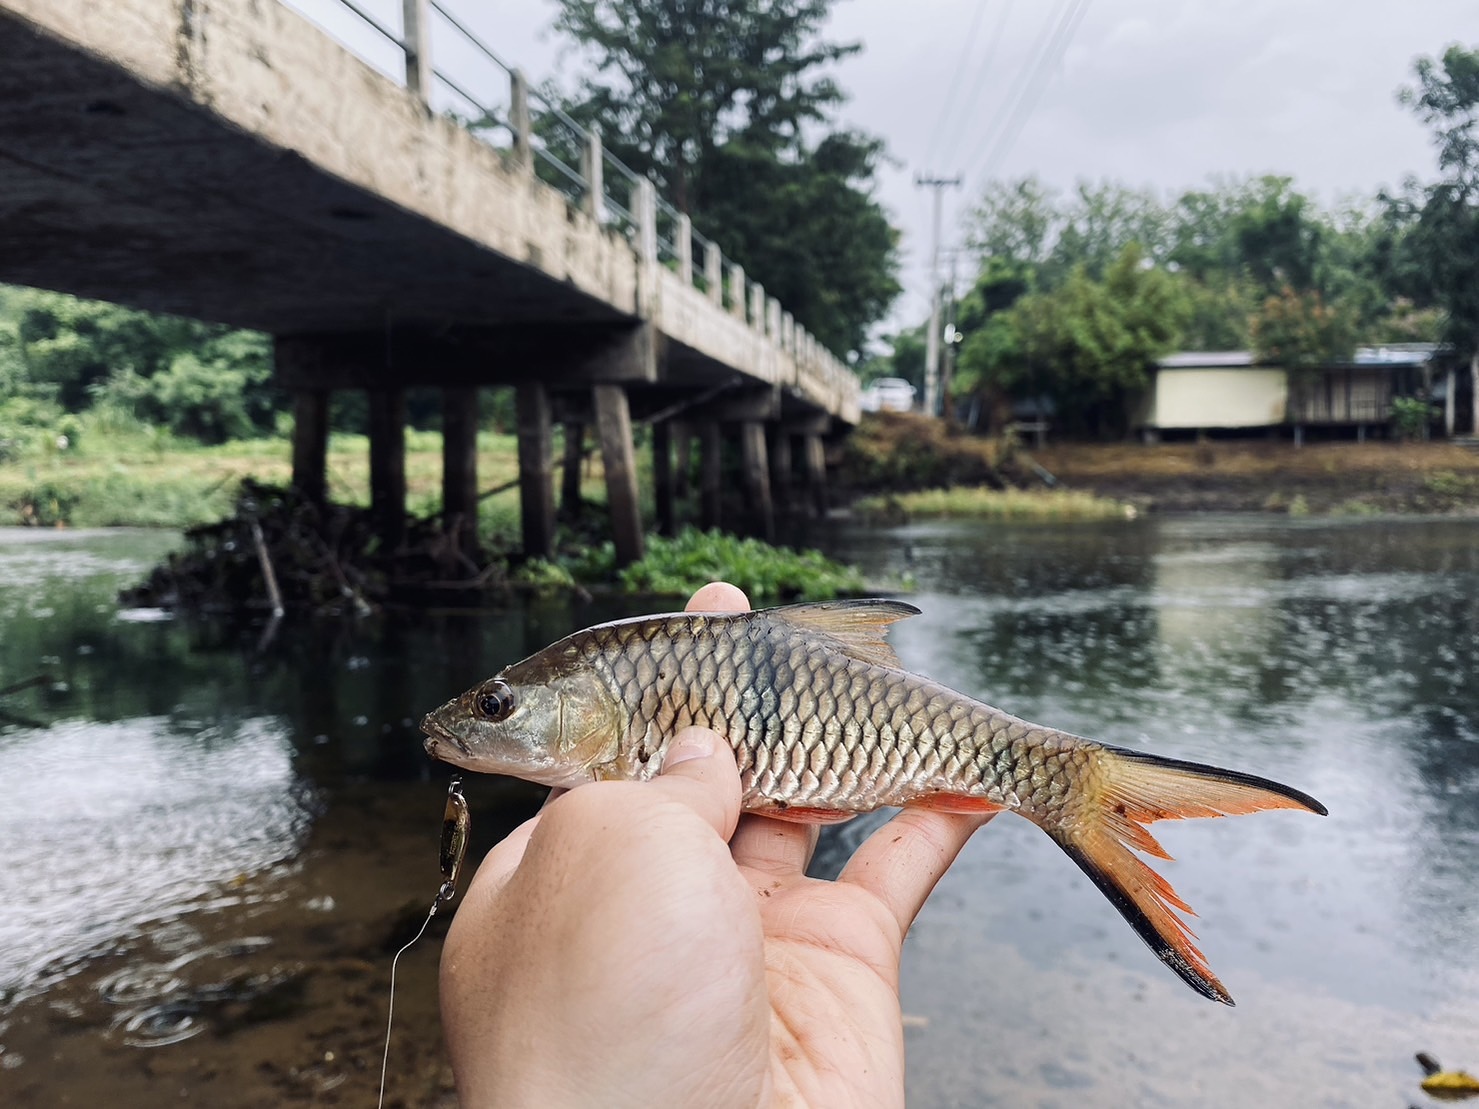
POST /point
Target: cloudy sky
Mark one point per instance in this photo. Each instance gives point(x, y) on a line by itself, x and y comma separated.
point(1165, 93)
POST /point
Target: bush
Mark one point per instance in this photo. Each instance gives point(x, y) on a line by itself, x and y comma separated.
point(677, 567)
point(1410, 418)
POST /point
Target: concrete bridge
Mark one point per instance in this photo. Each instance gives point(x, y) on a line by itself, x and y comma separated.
point(229, 161)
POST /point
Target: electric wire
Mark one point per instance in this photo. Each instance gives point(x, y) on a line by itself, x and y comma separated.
point(1063, 35)
point(950, 102)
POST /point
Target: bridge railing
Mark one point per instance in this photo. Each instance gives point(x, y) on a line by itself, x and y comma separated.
point(538, 136)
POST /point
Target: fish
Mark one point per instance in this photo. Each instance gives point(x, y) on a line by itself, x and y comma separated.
point(826, 723)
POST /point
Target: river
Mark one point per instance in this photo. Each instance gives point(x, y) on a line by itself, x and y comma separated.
point(213, 838)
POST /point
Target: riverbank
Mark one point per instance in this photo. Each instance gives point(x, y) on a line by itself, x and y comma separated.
point(1340, 479)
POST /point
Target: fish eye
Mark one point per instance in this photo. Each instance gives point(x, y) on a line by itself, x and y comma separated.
point(495, 700)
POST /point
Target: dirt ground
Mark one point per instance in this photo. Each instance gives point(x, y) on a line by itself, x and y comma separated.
point(1342, 478)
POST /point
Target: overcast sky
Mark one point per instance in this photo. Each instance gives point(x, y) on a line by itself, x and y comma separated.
point(1165, 93)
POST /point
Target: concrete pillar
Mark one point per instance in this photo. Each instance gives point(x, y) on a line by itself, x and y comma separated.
point(757, 307)
point(593, 169)
point(683, 247)
point(773, 319)
point(737, 291)
point(570, 469)
point(710, 475)
point(518, 121)
point(536, 470)
point(1450, 407)
point(416, 41)
point(614, 424)
point(662, 477)
point(311, 444)
point(683, 462)
point(714, 274)
point(779, 449)
point(388, 466)
point(816, 474)
point(644, 207)
point(460, 466)
point(757, 479)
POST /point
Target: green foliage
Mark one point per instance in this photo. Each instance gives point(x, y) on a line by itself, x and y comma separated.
point(1088, 344)
point(1410, 416)
point(202, 381)
point(1300, 331)
point(677, 567)
point(725, 103)
point(809, 229)
point(1436, 247)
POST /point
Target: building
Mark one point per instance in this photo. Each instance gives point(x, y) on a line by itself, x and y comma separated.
point(1199, 391)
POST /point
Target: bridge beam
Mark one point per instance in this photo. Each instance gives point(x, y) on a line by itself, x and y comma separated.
point(614, 425)
point(571, 467)
point(816, 473)
point(662, 477)
point(388, 466)
point(536, 470)
point(566, 354)
point(710, 474)
point(780, 466)
point(460, 467)
point(757, 479)
point(311, 444)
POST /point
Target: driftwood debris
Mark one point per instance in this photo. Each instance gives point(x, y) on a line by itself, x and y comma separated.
point(279, 551)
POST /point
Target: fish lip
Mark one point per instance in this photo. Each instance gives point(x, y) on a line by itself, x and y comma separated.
point(435, 731)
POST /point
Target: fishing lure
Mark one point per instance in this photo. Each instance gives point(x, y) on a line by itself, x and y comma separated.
point(456, 824)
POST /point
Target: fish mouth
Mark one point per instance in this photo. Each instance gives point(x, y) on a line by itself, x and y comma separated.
point(436, 733)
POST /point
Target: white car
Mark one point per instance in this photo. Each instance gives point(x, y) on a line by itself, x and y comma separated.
point(888, 394)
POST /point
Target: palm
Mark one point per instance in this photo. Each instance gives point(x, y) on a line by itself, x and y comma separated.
point(832, 953)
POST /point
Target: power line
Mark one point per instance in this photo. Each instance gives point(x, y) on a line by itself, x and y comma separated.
point(1063, 33)
point(983, 71)
point(949, 102)
point(1013, 92)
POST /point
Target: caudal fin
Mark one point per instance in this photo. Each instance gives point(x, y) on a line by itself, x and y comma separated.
point(1130, 789)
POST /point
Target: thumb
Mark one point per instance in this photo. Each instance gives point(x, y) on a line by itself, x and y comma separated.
point(698, 770)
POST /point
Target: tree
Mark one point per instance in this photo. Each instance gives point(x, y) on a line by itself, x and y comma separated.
point(677, 79)
point(202, 380)
point(1088, 344)
point(1299, 331)
point(819, 242)
point(725, 104)
point(1443, 218)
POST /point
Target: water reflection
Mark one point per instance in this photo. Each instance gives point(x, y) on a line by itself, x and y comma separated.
point(1337, 656)
point(167, 758)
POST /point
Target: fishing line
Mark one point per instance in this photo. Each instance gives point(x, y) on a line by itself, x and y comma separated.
point(456, 822)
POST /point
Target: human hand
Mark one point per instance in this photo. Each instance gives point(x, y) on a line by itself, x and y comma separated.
point(643, 944)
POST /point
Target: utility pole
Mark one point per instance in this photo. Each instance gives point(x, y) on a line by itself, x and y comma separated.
point(952, 338)
point(932, 338)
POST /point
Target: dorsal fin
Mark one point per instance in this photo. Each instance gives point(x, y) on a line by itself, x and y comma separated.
point(858, 625)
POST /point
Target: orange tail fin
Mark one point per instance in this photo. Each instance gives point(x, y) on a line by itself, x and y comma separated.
point(1131, 789)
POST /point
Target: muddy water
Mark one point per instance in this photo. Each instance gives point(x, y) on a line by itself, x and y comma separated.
point(211, 841)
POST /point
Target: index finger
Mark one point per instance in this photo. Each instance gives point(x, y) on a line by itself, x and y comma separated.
point(900, 863)
point(718, 596)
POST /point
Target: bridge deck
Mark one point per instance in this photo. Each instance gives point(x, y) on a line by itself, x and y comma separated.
point(225, 159)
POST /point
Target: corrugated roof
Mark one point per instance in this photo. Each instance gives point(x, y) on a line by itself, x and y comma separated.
point(1193, 359)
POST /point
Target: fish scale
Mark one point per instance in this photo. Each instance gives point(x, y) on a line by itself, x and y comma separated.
point(826, 723)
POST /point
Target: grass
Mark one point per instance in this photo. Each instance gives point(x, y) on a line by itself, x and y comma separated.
point(145, 477)
point(994, 504)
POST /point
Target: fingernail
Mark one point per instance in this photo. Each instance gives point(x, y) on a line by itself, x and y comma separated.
point(690, 743)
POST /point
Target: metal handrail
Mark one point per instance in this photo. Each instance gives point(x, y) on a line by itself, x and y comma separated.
point(810, 358)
